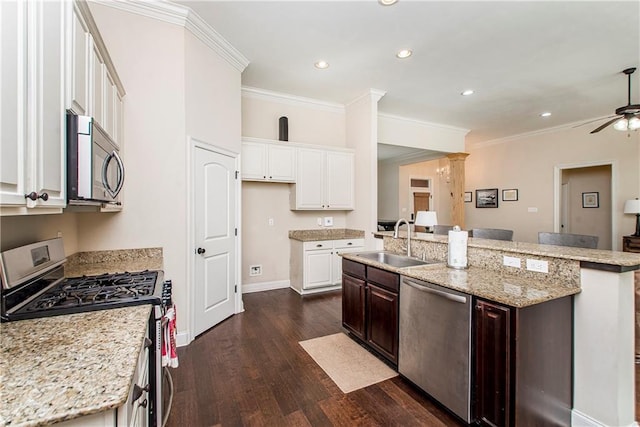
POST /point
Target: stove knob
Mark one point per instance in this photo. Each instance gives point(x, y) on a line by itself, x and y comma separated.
point(200, 251)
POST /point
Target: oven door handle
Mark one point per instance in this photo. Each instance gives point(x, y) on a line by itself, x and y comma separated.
point(105, 181)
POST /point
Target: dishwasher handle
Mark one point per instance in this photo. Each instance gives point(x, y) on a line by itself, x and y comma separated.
point(449, 296)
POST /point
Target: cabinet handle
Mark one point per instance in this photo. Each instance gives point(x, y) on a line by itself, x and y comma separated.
point(349, 244)
point(34, 196)
point(264, 176)
point(318, 246)
point(270, 177)
point(137, 391)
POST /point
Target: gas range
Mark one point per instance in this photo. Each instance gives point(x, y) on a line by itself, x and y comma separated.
point(33, 285)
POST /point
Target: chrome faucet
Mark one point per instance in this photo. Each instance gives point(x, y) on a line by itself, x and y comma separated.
point(395, 233)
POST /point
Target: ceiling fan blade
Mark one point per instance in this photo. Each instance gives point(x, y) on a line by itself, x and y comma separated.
point(592, 121)
point(599, 128)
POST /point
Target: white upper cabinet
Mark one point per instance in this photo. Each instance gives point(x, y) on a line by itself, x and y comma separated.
point(32, 119)
point(94, 88)
point(324, 181)
point(268, 161)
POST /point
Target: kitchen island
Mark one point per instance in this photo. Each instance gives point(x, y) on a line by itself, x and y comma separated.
point(602, 286)
point(60, 368)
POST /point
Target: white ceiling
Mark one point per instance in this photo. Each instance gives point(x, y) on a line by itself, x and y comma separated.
point(521, 58)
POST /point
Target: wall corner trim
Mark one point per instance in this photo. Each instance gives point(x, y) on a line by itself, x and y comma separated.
point(283, 98)
point(181, 15)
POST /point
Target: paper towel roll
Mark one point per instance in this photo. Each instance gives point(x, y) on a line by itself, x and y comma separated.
point(458, 248)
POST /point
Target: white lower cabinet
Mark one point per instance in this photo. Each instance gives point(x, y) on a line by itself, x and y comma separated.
point(316, 266)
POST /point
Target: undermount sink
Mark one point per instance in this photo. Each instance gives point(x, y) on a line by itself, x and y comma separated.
point(394, 260)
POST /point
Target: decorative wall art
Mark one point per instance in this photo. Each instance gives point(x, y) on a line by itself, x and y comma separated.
point(591, 200)
point(510, 195)
point(468, 197)
point(487, 198)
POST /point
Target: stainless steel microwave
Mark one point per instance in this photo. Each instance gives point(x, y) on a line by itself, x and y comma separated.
point(95, 171)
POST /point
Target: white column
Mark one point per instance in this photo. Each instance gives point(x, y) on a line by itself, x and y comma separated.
point(604, 372)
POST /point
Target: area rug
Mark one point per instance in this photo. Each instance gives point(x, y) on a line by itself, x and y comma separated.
point(349, 365)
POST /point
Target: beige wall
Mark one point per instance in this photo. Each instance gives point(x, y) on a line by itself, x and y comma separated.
point(440, 200)
point(590, 221)
point(269, 245)
point(22, 230)
point(528, 164)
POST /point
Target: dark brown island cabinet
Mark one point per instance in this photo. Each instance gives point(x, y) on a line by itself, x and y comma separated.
point(521, 357)
point(523, 364)
point(370, 307)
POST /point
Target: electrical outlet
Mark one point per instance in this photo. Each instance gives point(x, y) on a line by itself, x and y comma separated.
point(532, 210)
point(59, 233)
point(328, 221)
point(271, 221)
point(255, 270)
point(537, 265)
point(511, 261)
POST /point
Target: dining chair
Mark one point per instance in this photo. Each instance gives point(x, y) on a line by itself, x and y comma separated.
point(442, 229)
point(565, 239)
point(492, 233)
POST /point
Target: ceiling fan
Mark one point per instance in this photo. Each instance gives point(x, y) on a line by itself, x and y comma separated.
point(627, 117)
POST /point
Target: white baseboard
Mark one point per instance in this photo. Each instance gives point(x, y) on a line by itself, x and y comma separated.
point(182, 339)
point(264, 286)
point(578, 419)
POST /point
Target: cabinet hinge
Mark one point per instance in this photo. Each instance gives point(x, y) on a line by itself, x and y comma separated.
point(236, 174)
point(236, 231)
point(235, 289)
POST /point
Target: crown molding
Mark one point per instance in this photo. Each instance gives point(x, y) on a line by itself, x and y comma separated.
point(298, 101)
point(520, 136)
point(423, 123)
point(376, 94)
point(171, 13)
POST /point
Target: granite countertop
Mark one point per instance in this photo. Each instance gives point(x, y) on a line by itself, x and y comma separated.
point(599, 256)
point(325, 234)
point(62, 367)
point(495, 286)
point(58, 368)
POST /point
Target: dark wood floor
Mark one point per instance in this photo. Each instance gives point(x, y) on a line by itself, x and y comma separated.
point(250, 370)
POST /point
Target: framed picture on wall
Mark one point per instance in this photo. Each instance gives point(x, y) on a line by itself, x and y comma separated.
point(510, 195)
point(591, 200)
point(468, 197)
point(487, 198)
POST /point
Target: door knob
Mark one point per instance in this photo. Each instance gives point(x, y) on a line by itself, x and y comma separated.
point(200, 251)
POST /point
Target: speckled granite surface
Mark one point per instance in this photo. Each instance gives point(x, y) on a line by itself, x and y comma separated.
point(62, 367)
point(625, 259)
point(495, 286)
point(325, 234)
point(58, 368)
point(115, 261)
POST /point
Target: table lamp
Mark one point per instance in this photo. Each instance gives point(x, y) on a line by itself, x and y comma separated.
point(426, 219)
point(632, 207)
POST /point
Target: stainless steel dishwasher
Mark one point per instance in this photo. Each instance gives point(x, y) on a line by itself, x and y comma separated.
point(435, 343)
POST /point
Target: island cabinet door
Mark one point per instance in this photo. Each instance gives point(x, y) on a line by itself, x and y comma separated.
point(353, 300)
point(493, 369)
point(382, 321)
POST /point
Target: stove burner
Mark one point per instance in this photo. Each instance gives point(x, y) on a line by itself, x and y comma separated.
point(105, 289)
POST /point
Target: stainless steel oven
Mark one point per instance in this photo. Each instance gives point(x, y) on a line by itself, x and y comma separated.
point(34, 286)
point(95, 171)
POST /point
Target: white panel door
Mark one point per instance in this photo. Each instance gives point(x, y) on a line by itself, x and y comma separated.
point(339, 181)
point(317, 268)
point(215, 239)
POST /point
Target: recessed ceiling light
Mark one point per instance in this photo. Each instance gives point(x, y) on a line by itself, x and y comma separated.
point(387, 2)
point(545, 114)
point(467, 92)
point(404, 53)
point(321, 65)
